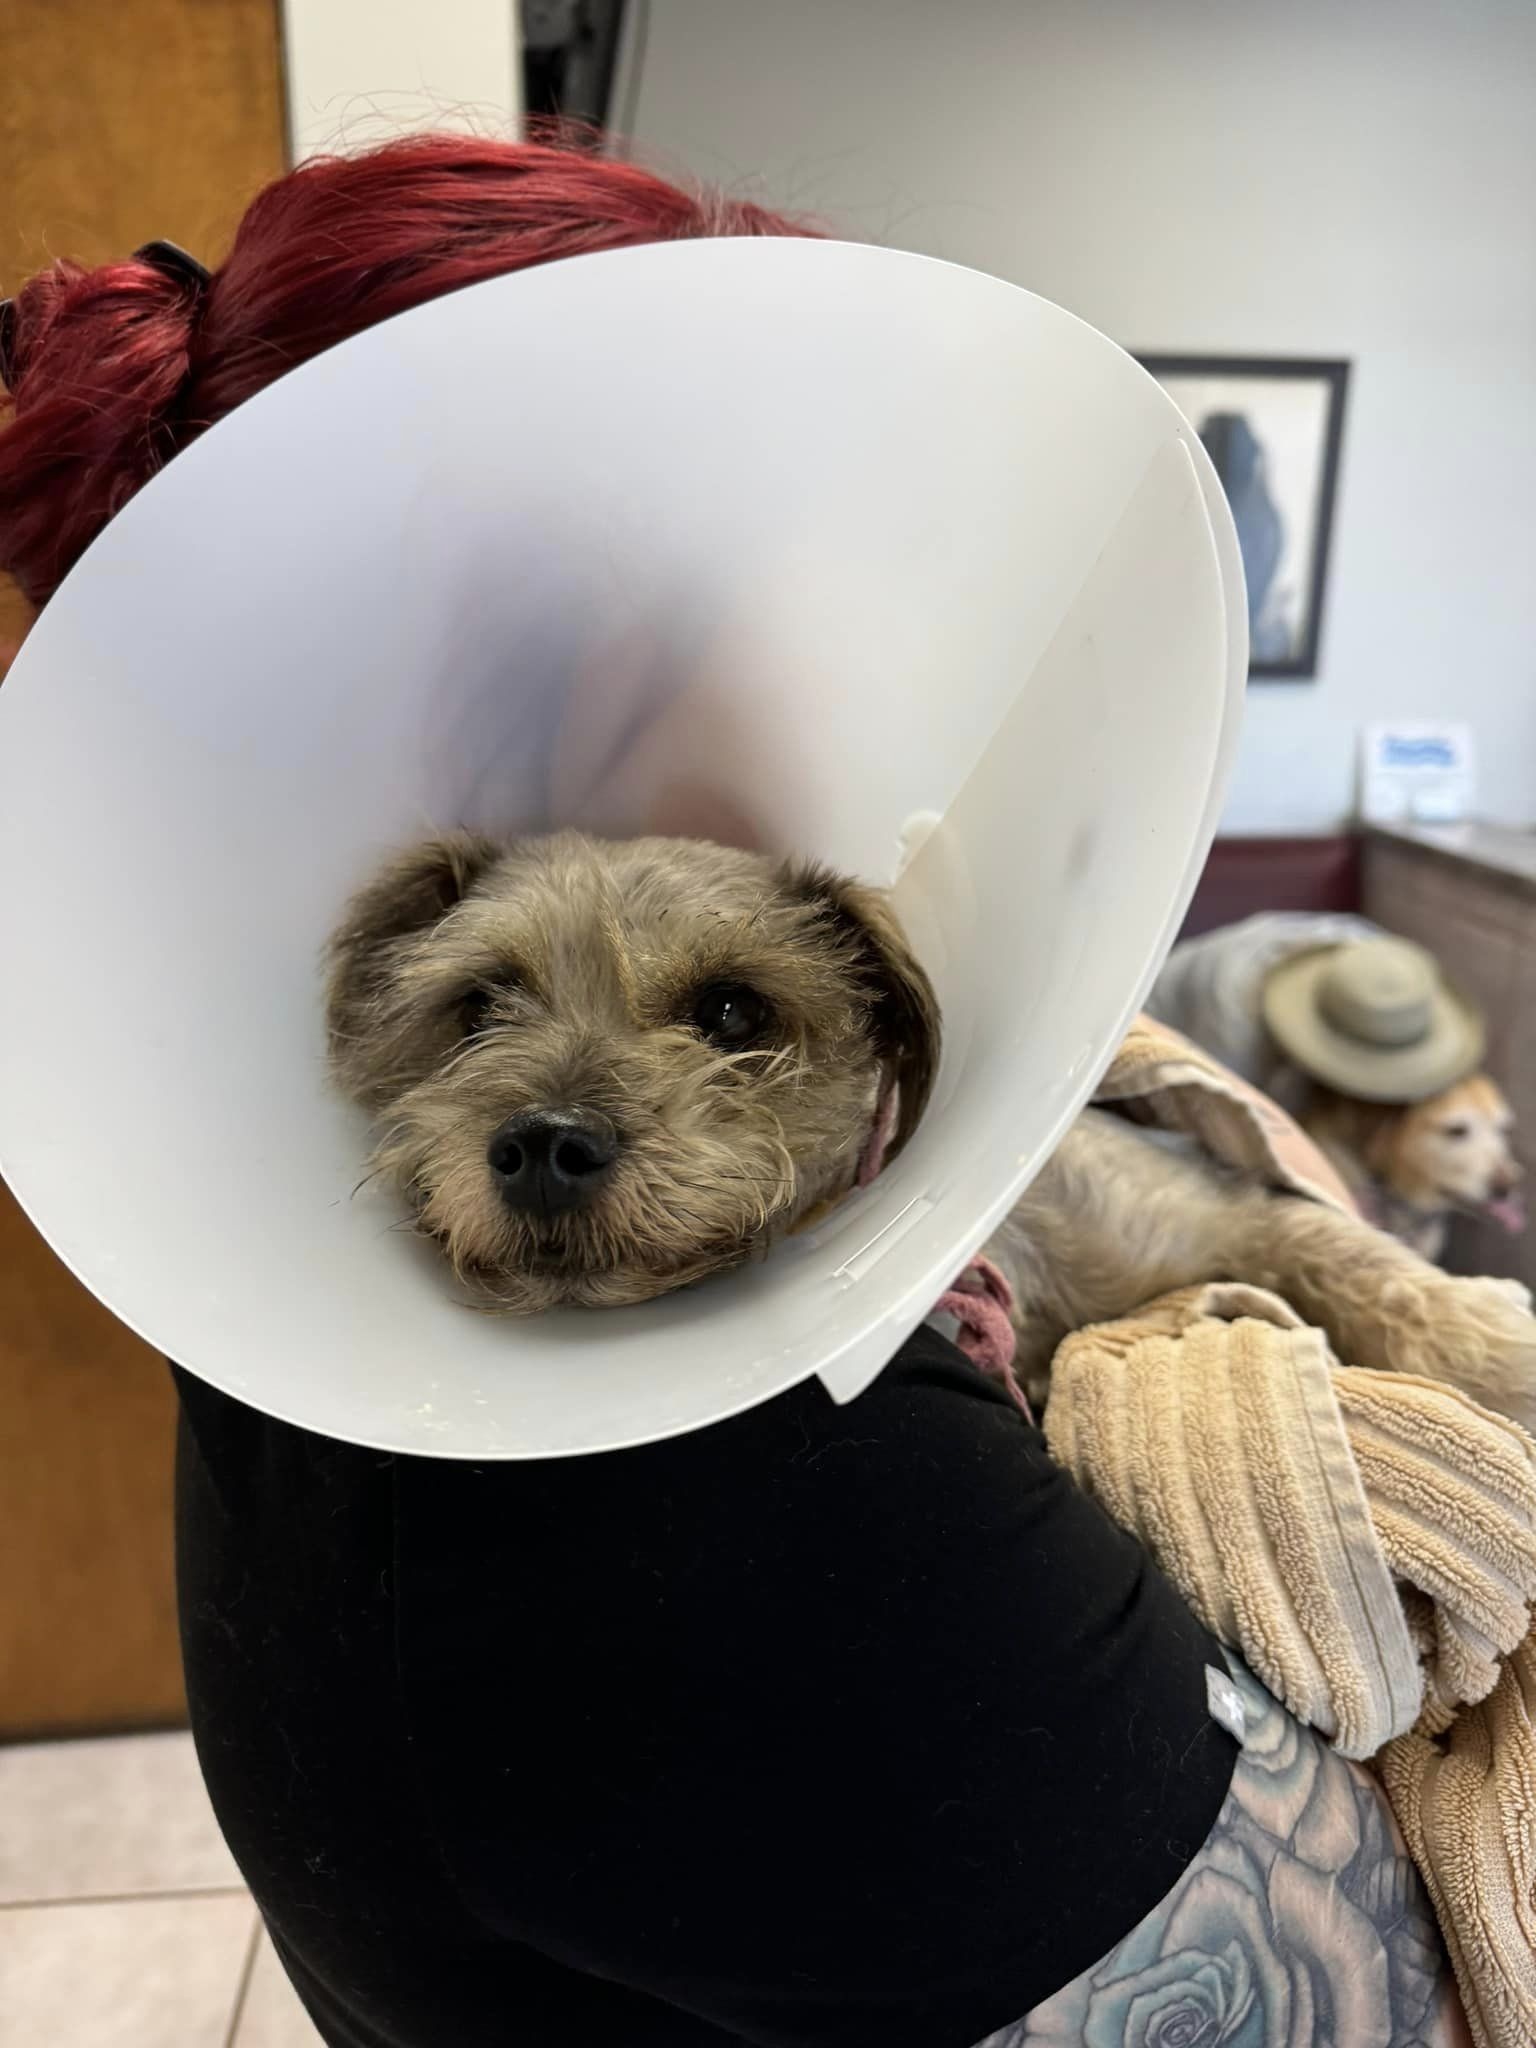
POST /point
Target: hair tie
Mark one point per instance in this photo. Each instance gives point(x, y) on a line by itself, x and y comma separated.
point(169, 258)
point(172, 261)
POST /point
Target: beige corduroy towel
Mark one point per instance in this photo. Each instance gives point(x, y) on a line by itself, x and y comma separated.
point(1290, 1500)
point(1451, 1487)
point(1467, 1806)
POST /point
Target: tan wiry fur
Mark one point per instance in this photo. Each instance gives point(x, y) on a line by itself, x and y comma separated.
point(1120, 1216)
point(586, 959)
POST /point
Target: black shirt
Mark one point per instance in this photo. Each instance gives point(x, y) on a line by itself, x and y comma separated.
point(858, 1727)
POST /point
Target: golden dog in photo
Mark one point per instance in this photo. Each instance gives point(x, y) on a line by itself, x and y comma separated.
point(1413, 1166)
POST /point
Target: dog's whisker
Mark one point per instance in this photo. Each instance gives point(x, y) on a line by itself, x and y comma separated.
point(764, 1179)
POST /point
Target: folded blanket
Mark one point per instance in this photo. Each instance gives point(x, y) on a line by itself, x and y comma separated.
point(1467, 1807)
point(1451, 1491)
point(1366, 1540)
point(1161, 1079)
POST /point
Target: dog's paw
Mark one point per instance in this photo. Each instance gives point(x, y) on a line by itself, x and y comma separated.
point(1480, 1335)
point(1513, 1290)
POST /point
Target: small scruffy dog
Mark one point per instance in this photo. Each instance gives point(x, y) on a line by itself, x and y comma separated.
point(604, 1070)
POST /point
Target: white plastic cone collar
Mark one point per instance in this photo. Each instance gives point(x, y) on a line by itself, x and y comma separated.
point(796, 543)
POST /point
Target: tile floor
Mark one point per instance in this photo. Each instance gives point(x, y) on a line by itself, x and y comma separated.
point(123, 1922)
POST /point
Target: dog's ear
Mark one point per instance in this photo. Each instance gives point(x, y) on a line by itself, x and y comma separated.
point(1382, 1127)
point(903, 1009)
point(1393, 1134)
point(410, 895)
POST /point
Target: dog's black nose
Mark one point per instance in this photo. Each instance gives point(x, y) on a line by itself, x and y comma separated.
point(549, 1160)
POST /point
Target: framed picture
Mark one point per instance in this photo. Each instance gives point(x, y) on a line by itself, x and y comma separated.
point(1272, 425)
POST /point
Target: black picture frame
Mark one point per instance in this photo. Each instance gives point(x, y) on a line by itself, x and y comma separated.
point(1244, 436)
point(570, 59)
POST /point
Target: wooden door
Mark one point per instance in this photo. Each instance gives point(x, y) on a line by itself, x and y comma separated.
point(120, 121)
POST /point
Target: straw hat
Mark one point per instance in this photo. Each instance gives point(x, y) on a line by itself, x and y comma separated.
point(1373, 1019)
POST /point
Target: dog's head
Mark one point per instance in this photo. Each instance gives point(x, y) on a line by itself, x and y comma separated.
point(1453, 1152)
point(602, 1071)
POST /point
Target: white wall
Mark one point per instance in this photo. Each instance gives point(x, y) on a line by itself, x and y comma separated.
point(360, 70)
point(1314, 177)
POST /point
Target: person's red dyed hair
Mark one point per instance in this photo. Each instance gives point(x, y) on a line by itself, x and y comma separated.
point(113, 370)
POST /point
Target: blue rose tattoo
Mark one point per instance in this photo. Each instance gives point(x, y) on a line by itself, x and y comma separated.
point(1300, 1924)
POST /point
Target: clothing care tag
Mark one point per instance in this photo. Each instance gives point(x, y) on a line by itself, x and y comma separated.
point(1416, 773)
point(1225, 1702)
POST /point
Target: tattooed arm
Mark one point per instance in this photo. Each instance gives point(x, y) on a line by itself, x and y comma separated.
point(1301, 1924)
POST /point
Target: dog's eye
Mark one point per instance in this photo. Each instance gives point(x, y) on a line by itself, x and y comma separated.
point(1457, 1131)
point(474, 1010)
point(730, 1014)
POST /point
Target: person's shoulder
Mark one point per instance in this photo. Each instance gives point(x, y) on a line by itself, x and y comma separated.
point(931, 1427)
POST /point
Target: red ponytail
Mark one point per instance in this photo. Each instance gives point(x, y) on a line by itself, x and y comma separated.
point(113, 370)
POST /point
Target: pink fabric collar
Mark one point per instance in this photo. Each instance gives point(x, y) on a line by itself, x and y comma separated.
point(981, 1301)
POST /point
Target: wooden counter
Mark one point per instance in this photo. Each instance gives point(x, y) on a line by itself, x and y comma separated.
point(120, 121)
